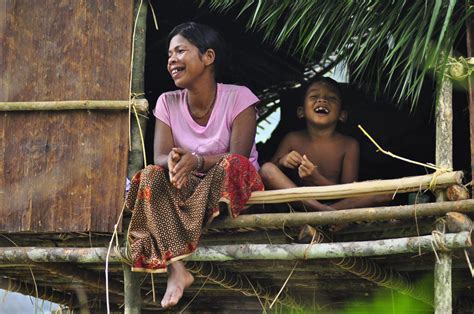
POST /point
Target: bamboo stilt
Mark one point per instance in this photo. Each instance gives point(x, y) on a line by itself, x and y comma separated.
point(342, 216)
point(131, 286)
point(140, 104)
point(470, 54)
point(374, 187)
point(444, 158)
point(131, 280)
point(247, 251)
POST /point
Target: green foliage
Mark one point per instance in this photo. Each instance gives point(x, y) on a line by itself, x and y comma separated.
point(389, 302)
point(392, 43)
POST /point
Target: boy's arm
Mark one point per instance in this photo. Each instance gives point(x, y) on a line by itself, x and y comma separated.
point(309, 172)
point(350, 163)
point(285, 156)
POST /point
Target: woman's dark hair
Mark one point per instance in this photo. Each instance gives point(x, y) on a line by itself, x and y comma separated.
point(203, 37)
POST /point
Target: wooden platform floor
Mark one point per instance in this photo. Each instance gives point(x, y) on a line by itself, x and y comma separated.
point(315, 286)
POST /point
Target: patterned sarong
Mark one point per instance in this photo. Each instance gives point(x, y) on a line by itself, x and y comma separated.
point(166, 222)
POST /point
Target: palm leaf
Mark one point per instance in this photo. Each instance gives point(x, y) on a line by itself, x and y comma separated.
point(394, 42)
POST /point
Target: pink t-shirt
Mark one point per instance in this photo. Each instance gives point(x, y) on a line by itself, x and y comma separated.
point(214, 138)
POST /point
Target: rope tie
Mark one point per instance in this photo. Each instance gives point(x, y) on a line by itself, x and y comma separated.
point(437, 238)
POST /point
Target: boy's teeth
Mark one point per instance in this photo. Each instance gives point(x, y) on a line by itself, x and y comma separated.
point(321, 110)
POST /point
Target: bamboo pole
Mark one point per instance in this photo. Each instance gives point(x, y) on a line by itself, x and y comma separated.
point(373, 187)
point(470, 54)
point(444, 158)
point(132, 296)
point(343, 216)
point(140, 104)
point(327, 250)
point(131, 280)
point(9, 255)
point(135, 157)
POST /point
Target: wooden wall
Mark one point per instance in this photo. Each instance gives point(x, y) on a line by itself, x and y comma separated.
point(63, 171)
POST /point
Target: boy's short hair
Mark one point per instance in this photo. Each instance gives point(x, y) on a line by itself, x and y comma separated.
point(331, 83)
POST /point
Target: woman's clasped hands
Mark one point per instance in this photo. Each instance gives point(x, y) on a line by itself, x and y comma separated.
point(181, 163)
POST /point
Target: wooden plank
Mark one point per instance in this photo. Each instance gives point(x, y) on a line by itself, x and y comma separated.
point(56, 178)
point(64, 50)
point(63, 171)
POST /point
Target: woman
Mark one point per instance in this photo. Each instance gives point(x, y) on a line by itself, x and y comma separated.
point(204, 155)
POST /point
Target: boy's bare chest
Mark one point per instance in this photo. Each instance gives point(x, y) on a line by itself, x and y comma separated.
point(328, 156)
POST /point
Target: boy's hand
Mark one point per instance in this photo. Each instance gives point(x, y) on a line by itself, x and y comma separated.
point(306, 169)
point(291, 160)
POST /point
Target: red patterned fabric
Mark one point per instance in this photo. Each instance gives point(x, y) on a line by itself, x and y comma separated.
point(166, 222)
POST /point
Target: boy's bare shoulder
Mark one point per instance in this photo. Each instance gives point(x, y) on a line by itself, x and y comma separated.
point(296, 134)
point(348, 140)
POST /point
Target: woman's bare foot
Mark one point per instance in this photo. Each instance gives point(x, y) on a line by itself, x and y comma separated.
point(179, 278)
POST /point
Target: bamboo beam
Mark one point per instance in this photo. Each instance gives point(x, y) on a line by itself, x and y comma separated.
point(248, 251)
point(327, 250)
point(373, 187)
point(343, 216)
point(140, 104)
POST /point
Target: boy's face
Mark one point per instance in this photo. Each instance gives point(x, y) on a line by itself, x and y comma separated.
point(322, 105)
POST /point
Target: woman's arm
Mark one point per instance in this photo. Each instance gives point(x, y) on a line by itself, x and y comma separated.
point(241, 139)
point(243, 132)
point(163, 144)
point(241, 142)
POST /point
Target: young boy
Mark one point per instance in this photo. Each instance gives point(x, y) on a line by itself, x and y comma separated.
point(318, 155)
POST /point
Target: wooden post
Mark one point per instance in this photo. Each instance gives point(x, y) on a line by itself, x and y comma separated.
point(444, 158)
point(131, 285)
point(470, 54)
point(135, 159)
point(131, 281)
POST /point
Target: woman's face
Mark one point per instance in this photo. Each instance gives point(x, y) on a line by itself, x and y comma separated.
point(185, 62)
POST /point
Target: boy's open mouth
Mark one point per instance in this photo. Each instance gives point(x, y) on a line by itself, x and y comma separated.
point(321, 110)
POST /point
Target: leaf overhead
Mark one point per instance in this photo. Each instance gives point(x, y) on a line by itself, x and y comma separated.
point(394, 44)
